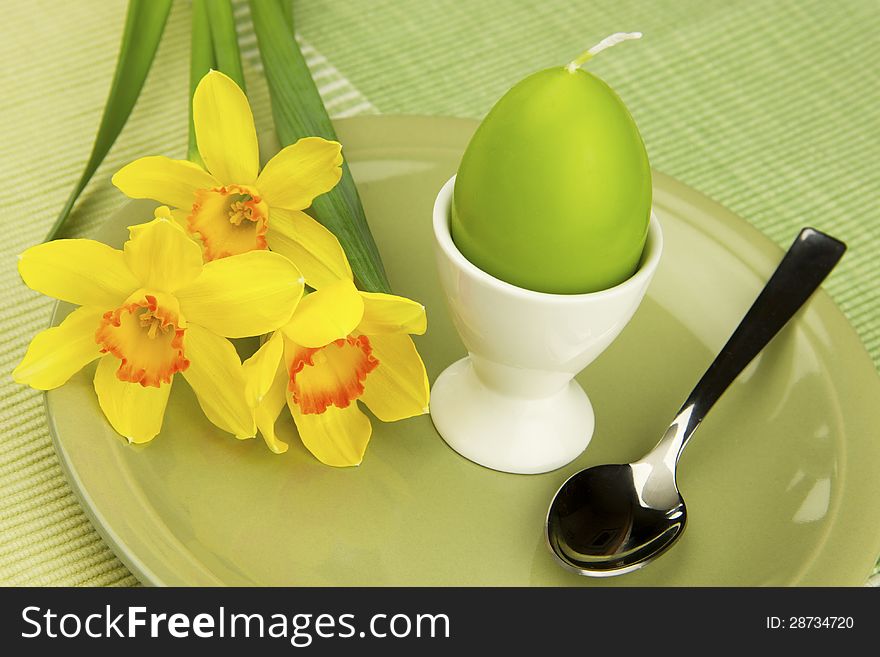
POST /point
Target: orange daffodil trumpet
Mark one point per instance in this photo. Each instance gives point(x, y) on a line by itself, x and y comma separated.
point(340, 347)
point(232, 207)
point(149, 312)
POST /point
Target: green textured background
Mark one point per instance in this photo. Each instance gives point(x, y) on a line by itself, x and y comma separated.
point(772, 108)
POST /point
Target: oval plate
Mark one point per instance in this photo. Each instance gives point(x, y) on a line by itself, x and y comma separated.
point(780, 481)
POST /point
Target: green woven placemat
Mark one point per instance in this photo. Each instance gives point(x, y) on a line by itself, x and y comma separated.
point(771, 108)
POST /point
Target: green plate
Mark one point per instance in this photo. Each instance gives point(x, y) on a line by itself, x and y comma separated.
point(780, 481)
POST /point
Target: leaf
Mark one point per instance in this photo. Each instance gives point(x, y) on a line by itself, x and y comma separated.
point(201, 61)
point(287, 8)
point(298, 112)
point(225, 39)
point(144, 24)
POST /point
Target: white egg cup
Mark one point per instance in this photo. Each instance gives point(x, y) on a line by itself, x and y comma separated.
point(512, 404)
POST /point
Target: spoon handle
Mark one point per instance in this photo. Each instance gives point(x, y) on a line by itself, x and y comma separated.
point(809, 259)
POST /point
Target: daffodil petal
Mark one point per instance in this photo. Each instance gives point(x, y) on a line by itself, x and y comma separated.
point(179, 216)
point(337, 437)
point(56, 354)
point(300, 172)
point(216, 376)
point(387, 313)
point(260, 369)
point(171, 182)
point(269, 408)
point(83, 272)
point(313, 248)
point(328, 314)
point(133, 410)
point(398, 388)
point(247, 294)
point(225, 130)
point(162, 256)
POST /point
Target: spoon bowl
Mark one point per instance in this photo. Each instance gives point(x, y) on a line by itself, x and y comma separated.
point(598, 523)
point(614, 519)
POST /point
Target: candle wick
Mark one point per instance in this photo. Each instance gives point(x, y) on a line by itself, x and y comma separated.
point(607, 42)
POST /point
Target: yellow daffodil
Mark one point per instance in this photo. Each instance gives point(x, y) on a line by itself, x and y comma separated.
point(341, 346)
point(150, 311)
point(233, 207)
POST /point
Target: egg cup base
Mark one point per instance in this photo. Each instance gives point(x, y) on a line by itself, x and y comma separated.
point(505, 433)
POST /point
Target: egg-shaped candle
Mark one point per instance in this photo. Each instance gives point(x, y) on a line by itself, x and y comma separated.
point(553, 193)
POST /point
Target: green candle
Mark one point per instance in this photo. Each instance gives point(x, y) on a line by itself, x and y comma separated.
point(554, 190)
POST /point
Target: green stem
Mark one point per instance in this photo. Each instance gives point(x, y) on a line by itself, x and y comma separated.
point(201, 61)
point(287, 8)
point(225, 40)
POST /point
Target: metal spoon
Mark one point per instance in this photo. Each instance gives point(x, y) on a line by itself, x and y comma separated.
point(613, 519)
